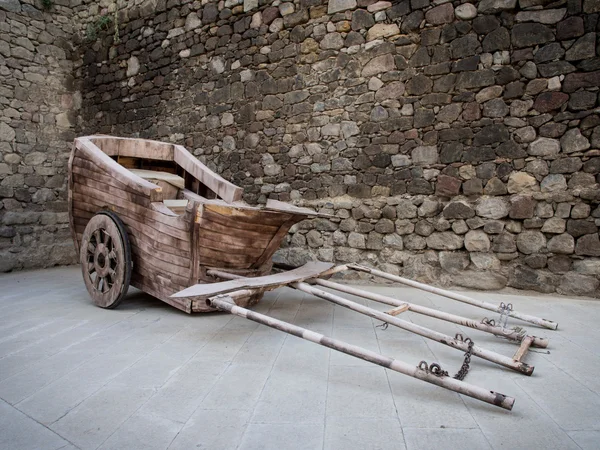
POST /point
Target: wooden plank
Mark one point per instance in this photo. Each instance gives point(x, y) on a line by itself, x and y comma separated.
point(237, 240)
point(523, 348)
point(109, 192)
point(170, 178)
point(398, 309)
point(309, 270)
point(230, 249)
point(218, 255)
point(217, 264)
point(276, 241)
point(114, 169)
point(141, 227)
point(155, 211)
point(123, 207)
point(195, 257)
point(237, 224)
point(250, 216)
point(162, 208)
point(276, 205)
point(223, 188)
point(70, 200)
point(151, 245)
point(146, 285)
point(265, 235)
point(177, 260)
point(133, 147)
point(87, 168)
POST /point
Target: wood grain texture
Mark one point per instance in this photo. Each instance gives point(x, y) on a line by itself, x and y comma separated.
point(227, 191)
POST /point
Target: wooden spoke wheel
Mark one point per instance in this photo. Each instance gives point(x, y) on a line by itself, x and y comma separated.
point(105, 257)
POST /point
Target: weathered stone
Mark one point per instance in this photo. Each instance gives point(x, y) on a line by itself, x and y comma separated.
point(569, 28)
point(536, 261)
point(382, 30)
point(545, 16)
point(477, 241)
point(579, 228)
point(565, 165)
point(458, 210)
point(362, 19)
point(480, 280)
point(499, 39)
point(504, 243)
point(559, 264)
point(466, 11)
point(356, 240)
point(492, 208)
point(554, 225)
point(447, 186)
point(584, 47)
point(454, 262)
point(562, 244)
point(495, 187)
point(425, 155)
point(332, 41)
point(417, 85)
point(530, 241)
point(379, 64)
point(440, 14)
point(522, 207)
point(7, 134)
point(491, 134)
point(529, 34)
point(548, 101)
point(544, 147)
point(526, 278)
point(576, 284)
point(444, 241)
point(588, 245)
point(495, 6)
point(574, 141)
point(549, 52)
point(334, 6)
point(522, 182)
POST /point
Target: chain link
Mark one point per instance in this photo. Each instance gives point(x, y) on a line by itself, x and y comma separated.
point(436, 369)
point(464, 369)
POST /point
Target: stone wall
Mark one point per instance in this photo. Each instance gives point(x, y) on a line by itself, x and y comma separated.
point(38, 109)
point(454, 143)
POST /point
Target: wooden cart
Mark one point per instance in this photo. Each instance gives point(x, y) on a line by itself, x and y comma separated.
point(149, 214)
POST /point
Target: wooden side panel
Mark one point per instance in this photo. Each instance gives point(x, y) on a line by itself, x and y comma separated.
point(113, 169)
point(160, 243)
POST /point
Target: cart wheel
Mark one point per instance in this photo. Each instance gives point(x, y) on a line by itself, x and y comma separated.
point(106, 259)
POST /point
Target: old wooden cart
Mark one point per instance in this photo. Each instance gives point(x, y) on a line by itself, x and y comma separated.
point(149, 214)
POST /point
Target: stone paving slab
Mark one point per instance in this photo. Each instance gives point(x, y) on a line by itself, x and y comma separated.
point(147, 376)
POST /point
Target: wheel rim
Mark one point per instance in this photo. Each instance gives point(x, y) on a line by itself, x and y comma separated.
point(102, 261)
point(105, 259)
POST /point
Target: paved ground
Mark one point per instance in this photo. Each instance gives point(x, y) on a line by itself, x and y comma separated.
point(147, 376)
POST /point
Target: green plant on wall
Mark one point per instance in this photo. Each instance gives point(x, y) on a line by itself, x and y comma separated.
point(47, 4)
point(103, 23)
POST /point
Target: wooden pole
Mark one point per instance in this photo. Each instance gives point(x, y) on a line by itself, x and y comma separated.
point(498, 331)
point(417, 329)
point(225, 303)
point(454, 296)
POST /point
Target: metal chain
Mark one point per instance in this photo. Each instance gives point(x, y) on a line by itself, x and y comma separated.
point(464, 369)
point(436, 369)
point(504, 311)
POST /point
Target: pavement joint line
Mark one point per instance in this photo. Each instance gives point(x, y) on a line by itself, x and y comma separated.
point(43, 425)
point(89, 360)
point(328, 377)
point(279, 294)
point(229, 363)
point(66, 349)
point(166, 381)
point(389, 383)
